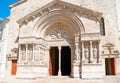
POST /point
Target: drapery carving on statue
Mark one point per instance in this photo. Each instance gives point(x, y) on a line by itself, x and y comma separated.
point(77, 53)
point(95, 51)
point(86, 52)
point(30, 53)
point(40, 55)
point(36, 53)
point(23, 56)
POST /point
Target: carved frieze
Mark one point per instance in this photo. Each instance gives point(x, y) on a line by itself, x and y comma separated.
point(13, 55)
point(110, 51)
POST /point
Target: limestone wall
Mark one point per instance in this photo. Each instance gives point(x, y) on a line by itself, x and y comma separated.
point(107, 8)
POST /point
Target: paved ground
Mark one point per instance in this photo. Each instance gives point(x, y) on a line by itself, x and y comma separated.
point(13, 79)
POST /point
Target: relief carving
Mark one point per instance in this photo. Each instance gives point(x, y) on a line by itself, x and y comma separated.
point(30, 53)
point(58, 33)
point(40, 56)
point(86, 52)
point(36, 54)
point(95, 52)
point(13, 54)
point(23, 56)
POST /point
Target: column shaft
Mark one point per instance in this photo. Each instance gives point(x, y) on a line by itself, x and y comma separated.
point(33, 58)
point(26, 52)
point(83, 54)
point(19, 57)
point(59, 72)
point(98, 52)
point(91, 51)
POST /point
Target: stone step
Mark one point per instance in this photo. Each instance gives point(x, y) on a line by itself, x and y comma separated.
point(55, 80)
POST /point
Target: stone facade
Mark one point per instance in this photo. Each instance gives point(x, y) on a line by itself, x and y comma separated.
point(3, 46)
point(86, 27)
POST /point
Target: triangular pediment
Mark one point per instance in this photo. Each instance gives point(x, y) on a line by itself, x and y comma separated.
point(60, 5)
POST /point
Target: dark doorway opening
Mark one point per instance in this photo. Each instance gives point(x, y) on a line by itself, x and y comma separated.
point(66, 61)
point(110, 66)
point(54, 61)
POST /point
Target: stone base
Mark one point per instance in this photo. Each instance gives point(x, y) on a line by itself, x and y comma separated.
point(76, 69)
point(31, 72)
point(92, 71)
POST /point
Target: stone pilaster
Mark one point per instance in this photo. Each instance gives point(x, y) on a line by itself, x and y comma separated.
point(33, 57)
point(76, 63)
point(26, 54)
point(98, 52)
point(83, 52)
point(91, 52)
point(19, 58)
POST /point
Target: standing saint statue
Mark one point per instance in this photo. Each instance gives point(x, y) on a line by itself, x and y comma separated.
point(30, 54)
point(95, 51)
point(86, 52)
point(23, 55)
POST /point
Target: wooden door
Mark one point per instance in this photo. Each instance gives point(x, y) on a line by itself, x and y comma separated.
point(110, 66)
point(50, 66)
point(112, 61)
point(14, 67)
point(53, 61)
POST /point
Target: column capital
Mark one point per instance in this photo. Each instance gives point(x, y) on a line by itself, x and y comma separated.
point(26, 45)
point(91, 42)
point(59, 47)
point(77, 34)
point(77, 37)
point(19, 44)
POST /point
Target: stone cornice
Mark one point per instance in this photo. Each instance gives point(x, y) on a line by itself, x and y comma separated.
point(4, 22)
point(60, 5)
point(17, 3)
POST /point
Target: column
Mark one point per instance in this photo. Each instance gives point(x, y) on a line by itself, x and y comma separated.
point(91, 52)
point(77, 67)
point(33, 58)
point(26, 52)
point(83, 54)
point(98, 52)
point(59, 71)
point(77, 49)
point(19, 53)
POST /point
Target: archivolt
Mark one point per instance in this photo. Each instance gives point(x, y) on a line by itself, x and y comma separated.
point(62, 16)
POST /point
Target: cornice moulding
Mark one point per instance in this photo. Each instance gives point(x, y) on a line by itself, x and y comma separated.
point(17, 3)
point(60, 5)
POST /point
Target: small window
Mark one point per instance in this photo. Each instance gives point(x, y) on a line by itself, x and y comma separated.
point(102, 27)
